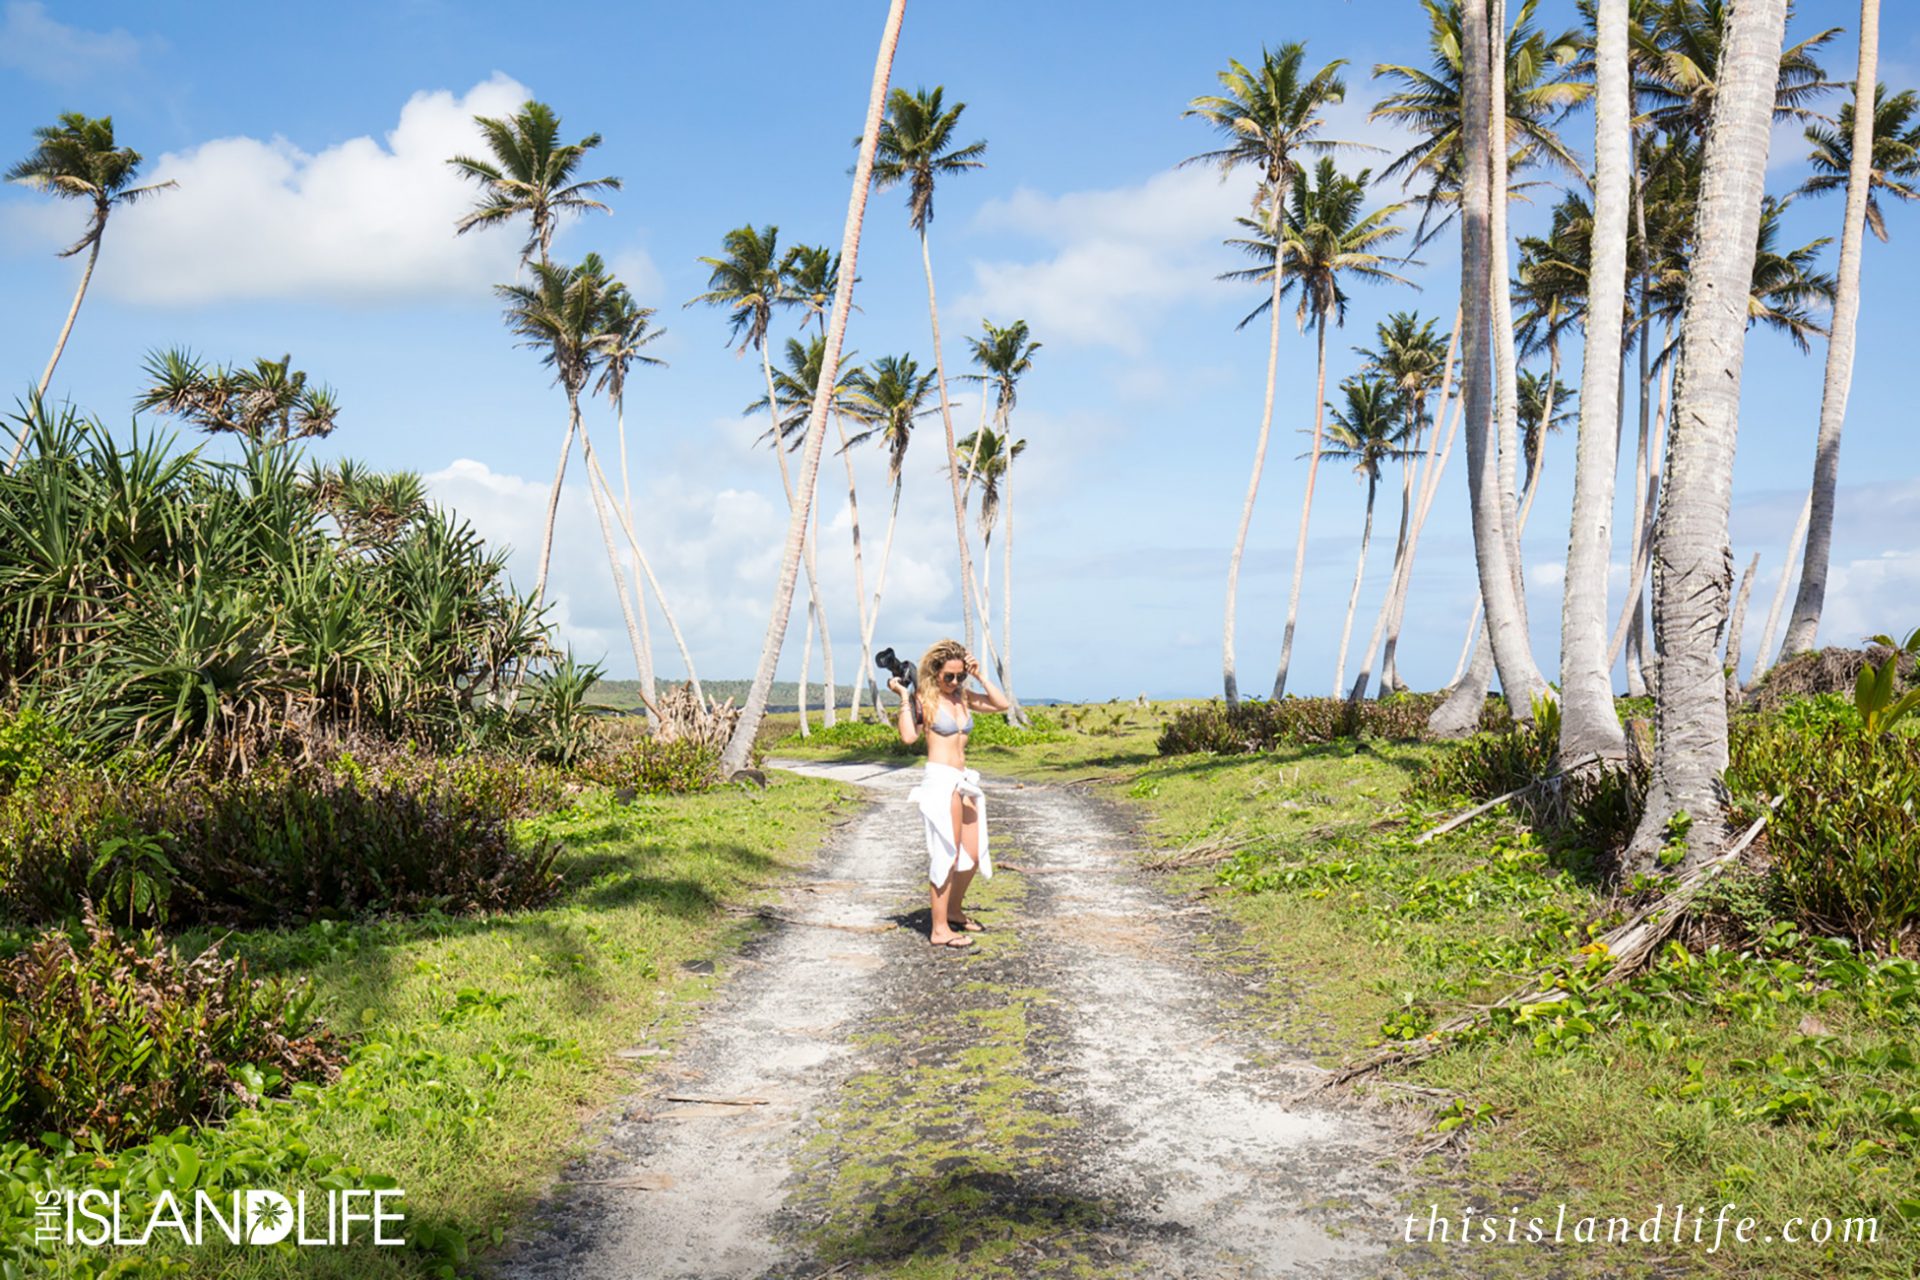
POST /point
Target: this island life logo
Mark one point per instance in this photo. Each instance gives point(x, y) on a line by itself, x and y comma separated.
point(94, 1218)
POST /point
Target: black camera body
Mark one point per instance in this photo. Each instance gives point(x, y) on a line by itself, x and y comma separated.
point(898, 667)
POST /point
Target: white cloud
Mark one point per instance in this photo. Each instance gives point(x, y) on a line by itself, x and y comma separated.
point(1121, 259)
point(33, 43)
point(362, 221)
point(716, 551)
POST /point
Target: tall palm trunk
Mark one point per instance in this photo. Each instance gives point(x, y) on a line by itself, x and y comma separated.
point(1588, 723)
point(1761, 659)
point(1353, 596)
point(880, 587)
point(1492, 537)
point(1229, 677)
point(46, 377)
point(1429, 481)
point(754, 710)
point(600, 502)
point(1407, 468)
point(1016, 714)
point(553, 508)
point(953, 454)
point(1642, 473)
point(859, 573)
point(1736, 628)
point(1306, 513)
point(639, 592)
point(1693, 564)
point(1805, 625)
point(1506, 365)
point(815, 613)
point(653, 583)
point(1646, 499)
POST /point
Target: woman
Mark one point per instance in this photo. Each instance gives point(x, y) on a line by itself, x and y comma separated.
point(950, 799)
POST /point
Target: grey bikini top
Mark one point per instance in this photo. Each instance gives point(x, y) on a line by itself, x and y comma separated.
point(943, 722)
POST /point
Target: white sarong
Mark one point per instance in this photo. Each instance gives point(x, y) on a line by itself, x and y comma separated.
point(934, 795)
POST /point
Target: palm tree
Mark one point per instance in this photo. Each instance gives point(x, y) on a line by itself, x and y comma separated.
point(747, 728)
point(1494, 534)
point(1863, 156)
point(894, 394)
point(1896, 153)
point(747, 282)
point(76, 160)
point(1694, 581)
point(1327, 236)
point(1417, 361)
point(1269, 119)
point(916, 148)
point(1589, 726)
point(1369, 433)
point(563, 314)
point(628, 330)
point(530, 174)
point(1682, 73)
point(990, 456)
point(1543, 408)
point(796, 385)
point(1005, 355)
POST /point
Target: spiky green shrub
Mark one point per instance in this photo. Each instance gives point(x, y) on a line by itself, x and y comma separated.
point(1263, 725)
point(163, 601)
point(652, 766)
point(283, 844)
point(1844, 843)
point(113, 1039)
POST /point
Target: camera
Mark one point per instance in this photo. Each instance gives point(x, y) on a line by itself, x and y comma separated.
point(899, 668)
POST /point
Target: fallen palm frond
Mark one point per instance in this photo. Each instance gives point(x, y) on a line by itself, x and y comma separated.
point(1629, 946)
point(1200, 853)
point(1461, 819)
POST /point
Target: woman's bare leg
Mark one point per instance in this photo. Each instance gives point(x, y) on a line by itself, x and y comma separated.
point(943, 900)
point(968, 821)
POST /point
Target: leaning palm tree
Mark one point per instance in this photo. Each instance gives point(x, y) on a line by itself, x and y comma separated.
point(747, 282)
point(1368, 432)
point(1597, 257)
point(915, 147)
point(530, 174)
point(893, 394)
point(1327, 237)
point(747, 728)
point(628, 330)
point(1271, 120)
point(1693, 586)
point(563, 315)
point(1863, 156)
point(76, 160)
point(1005, 356)
point(1416, 360)
point(990, 456)
point(1531, 88)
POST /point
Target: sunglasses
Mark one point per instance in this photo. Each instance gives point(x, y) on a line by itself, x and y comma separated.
point(952, 677)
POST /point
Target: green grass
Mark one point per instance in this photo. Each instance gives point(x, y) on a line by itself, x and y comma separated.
point(1782, 1079)
point(486, 1046)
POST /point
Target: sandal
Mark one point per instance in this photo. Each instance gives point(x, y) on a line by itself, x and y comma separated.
point(969, 925)
point(958, 944)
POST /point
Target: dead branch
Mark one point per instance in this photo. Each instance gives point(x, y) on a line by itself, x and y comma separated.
point(1630, 946)
point(1462, 819)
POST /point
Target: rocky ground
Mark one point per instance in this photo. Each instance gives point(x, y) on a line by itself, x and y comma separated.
point(1085, 1092)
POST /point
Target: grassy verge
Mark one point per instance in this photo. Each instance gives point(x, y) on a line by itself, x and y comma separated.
point(1780, 1079)
point(483, 1045)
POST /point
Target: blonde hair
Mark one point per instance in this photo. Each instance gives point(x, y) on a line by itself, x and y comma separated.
point(942, 652)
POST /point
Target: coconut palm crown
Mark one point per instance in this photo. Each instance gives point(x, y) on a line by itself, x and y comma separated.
point(915, 147)
point(531, 173)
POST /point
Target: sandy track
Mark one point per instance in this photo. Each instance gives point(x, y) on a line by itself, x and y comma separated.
point(1144, 1134)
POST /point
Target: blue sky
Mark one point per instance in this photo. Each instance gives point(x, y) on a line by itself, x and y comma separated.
point(314, 216)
